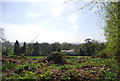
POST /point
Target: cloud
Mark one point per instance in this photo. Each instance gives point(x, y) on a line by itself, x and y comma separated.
point(33, 0)
point(29, 14)
point(45, 0)
point(72, 18)
point(31, 32)
point(46, 21)
point(57, 11)
point(75, 27)
point(6, 17)
point(21, 32)
point(59, 0)
point(52, 36)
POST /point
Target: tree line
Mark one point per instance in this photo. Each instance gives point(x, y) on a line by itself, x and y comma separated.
point(89, 48)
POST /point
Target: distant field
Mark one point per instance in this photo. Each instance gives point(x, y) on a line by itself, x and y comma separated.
point(36, 56)
point(79, 56)
point(45, 56)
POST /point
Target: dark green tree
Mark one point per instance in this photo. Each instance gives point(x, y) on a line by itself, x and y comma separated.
point(7, 48)
point(81, 52)
point(88, 50)
point(56, 47)
point(65, 46)
point(23, 48)
point(53, 47)
point(36, 48)
point(45, 48)
point(16, 48)
point(29, 49)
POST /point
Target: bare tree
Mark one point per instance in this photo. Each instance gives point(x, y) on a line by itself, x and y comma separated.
point(2, 36)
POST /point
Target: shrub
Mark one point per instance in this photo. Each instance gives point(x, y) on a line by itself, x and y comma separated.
point(15, 76)
point(45, 76)
point(56, 57)
point(27, 75)
point(65, 67)
point(29, 67)
point(110, 75)
point(102, 54)
point(7, 65)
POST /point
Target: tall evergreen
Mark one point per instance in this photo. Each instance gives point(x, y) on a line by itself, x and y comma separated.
point(53, 48)
point(81, 52)
point(29, 49)
point(88, 50)
point(23, 48)
point(16, 48)
point(36, 49)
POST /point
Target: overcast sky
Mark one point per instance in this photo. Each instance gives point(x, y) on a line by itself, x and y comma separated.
point(50, 21)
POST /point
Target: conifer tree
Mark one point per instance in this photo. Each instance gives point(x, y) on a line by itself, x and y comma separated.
point(36, 49)
point(23, 48)
point(16, 48)
point(29, 49)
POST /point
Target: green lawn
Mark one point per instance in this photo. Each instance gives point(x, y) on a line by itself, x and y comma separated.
point(36, 56)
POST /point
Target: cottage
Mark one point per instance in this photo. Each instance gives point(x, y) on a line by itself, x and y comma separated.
point(71, 51)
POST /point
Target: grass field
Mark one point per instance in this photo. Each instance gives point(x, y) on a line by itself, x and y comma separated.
point(77, 68)
point(36, 56)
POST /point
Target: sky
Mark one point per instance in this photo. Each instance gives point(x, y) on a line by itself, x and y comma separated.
point(50, 21)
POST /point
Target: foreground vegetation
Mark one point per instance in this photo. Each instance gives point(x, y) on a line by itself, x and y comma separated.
point(99, 61)
point(74, 69)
